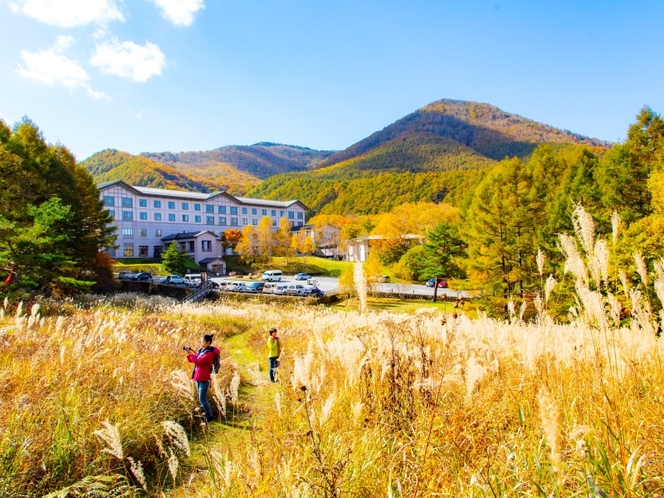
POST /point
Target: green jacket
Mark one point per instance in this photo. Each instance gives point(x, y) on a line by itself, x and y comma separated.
point(273, 348)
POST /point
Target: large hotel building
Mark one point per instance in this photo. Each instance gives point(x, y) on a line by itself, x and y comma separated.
point(149, 219)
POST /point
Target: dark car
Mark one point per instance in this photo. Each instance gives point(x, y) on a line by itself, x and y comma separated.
point(143, 276)
point(431, 282)
point(254, 287)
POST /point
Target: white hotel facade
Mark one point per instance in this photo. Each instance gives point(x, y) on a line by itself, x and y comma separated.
point(144, 216)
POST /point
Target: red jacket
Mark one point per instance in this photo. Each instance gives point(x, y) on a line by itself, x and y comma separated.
point(203, 361)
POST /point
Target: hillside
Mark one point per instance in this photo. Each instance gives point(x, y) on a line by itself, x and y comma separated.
point(260, 160)
point(432, 154)
point(110, 165)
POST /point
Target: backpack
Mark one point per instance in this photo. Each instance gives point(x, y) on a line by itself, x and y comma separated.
point(216, 364)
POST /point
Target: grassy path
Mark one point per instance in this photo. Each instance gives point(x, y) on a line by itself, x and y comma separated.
point(230, 436)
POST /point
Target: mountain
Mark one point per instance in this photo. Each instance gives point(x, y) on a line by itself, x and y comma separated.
point(110, 164)
point(434, 153)
point(260, 160)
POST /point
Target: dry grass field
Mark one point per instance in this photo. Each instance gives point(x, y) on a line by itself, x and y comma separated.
point(95, 399)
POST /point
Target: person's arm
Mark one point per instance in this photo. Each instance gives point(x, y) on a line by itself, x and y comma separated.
point(206, 359)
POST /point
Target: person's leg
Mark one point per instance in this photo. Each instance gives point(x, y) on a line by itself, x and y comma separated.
point(273, 369)
point(202, 397)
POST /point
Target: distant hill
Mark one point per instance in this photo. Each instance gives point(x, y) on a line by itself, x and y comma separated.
point(110, 165)
point(432, 154)
point(260, 160)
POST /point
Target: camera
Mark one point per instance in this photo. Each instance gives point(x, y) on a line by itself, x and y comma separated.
point(186, 348)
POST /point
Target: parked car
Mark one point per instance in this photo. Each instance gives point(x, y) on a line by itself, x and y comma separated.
point(144, 276)
point(431, 282)
point(236, 286)
point(302, 276)
point(295, 290)
point(383, 279)
point(280, 289)
point(126, 275)
point(253, 287)
point(442, 284)
point(269, 287)
point(192, 279)
point(172, 279)
point(223, 286)
point(313, 291)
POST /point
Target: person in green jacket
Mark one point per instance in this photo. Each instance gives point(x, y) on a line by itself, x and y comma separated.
point(273, 353)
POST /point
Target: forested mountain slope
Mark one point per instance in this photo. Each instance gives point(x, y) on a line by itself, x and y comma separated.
point(110, 165)
point(260, 160)
point(431, 154)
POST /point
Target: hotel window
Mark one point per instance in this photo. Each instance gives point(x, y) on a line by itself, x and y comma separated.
point(221, 210)
point(142, 251)
point(127, 215)
point(209, 208)
point(143, 232)
point(291, 214)
point(185, 218)
point(245, 221)
point(264, 212)
point(111, 212)
point(158, 250)
point(274, 212)
point(197, 207)
point(192, 248)
point(206, 245)
point(185, 206)
point(171, 217)
point(197, 219)
point(157, 204)
point(233, 209)
point(171, 205)
point(281, 213)
point(128, 250)
point(300, 223)
point(233, 222)
point(222, 220)
point(254, 211)
point(126, 202)
point(244, 210)
point(209, 220)
point(274, 223)
point(300, 215)
point(127, 233)
point(157, 233)
point(109, 201)
point(143, 203)
point(142, 216)
point(254, 221)
point(157, 217)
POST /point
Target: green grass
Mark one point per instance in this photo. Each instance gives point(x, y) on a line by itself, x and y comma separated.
point(397, 306)
point(311, 264)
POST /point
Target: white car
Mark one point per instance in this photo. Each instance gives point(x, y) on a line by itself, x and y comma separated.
point(269, 287)
point(236, 286)
point(280, 289)
point(295, 290)
point(172, 279)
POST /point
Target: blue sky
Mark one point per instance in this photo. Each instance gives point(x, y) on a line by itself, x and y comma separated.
point(158, 75)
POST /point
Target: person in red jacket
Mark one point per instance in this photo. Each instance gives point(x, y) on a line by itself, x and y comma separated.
point(203, 360)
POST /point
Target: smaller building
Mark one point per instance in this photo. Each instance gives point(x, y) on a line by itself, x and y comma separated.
point(358, 249)
point(203, 247)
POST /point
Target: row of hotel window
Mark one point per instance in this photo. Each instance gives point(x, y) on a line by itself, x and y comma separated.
point(126, 202)
point(209, 220)
point(128, 249)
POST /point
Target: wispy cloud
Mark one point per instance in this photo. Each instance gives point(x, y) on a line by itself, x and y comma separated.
point(52, 67)
point(179, 12)
point(6, 119)
point(129, 60)
point(69, 13)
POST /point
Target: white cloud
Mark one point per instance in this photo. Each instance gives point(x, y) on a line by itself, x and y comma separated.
point(69, 13)
point(179, 12)
point(51, 66)
point(129, 60)
point(6, 119)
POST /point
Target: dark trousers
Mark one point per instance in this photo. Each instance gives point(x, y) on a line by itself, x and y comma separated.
point(274, 364)
point(202, 388)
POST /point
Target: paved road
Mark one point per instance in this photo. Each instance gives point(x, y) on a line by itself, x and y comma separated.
point(327, 284)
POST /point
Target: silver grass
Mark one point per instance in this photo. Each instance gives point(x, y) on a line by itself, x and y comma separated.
point(327, 409)
point(234, 388)
point(625, 283)
point(549, 415)
point(548, 287)
point(615, 225)
point(137, 471)
point(573, 263)
point(584, 226)
point(183, 385)
point(176, 433)
point(173, 465)
point(111, 436)
point(360, 285)
point(641, 268)
point(659, 282)
point(540, 262)
point(601, 257)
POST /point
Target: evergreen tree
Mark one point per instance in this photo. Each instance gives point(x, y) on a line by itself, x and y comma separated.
point(174, 260)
